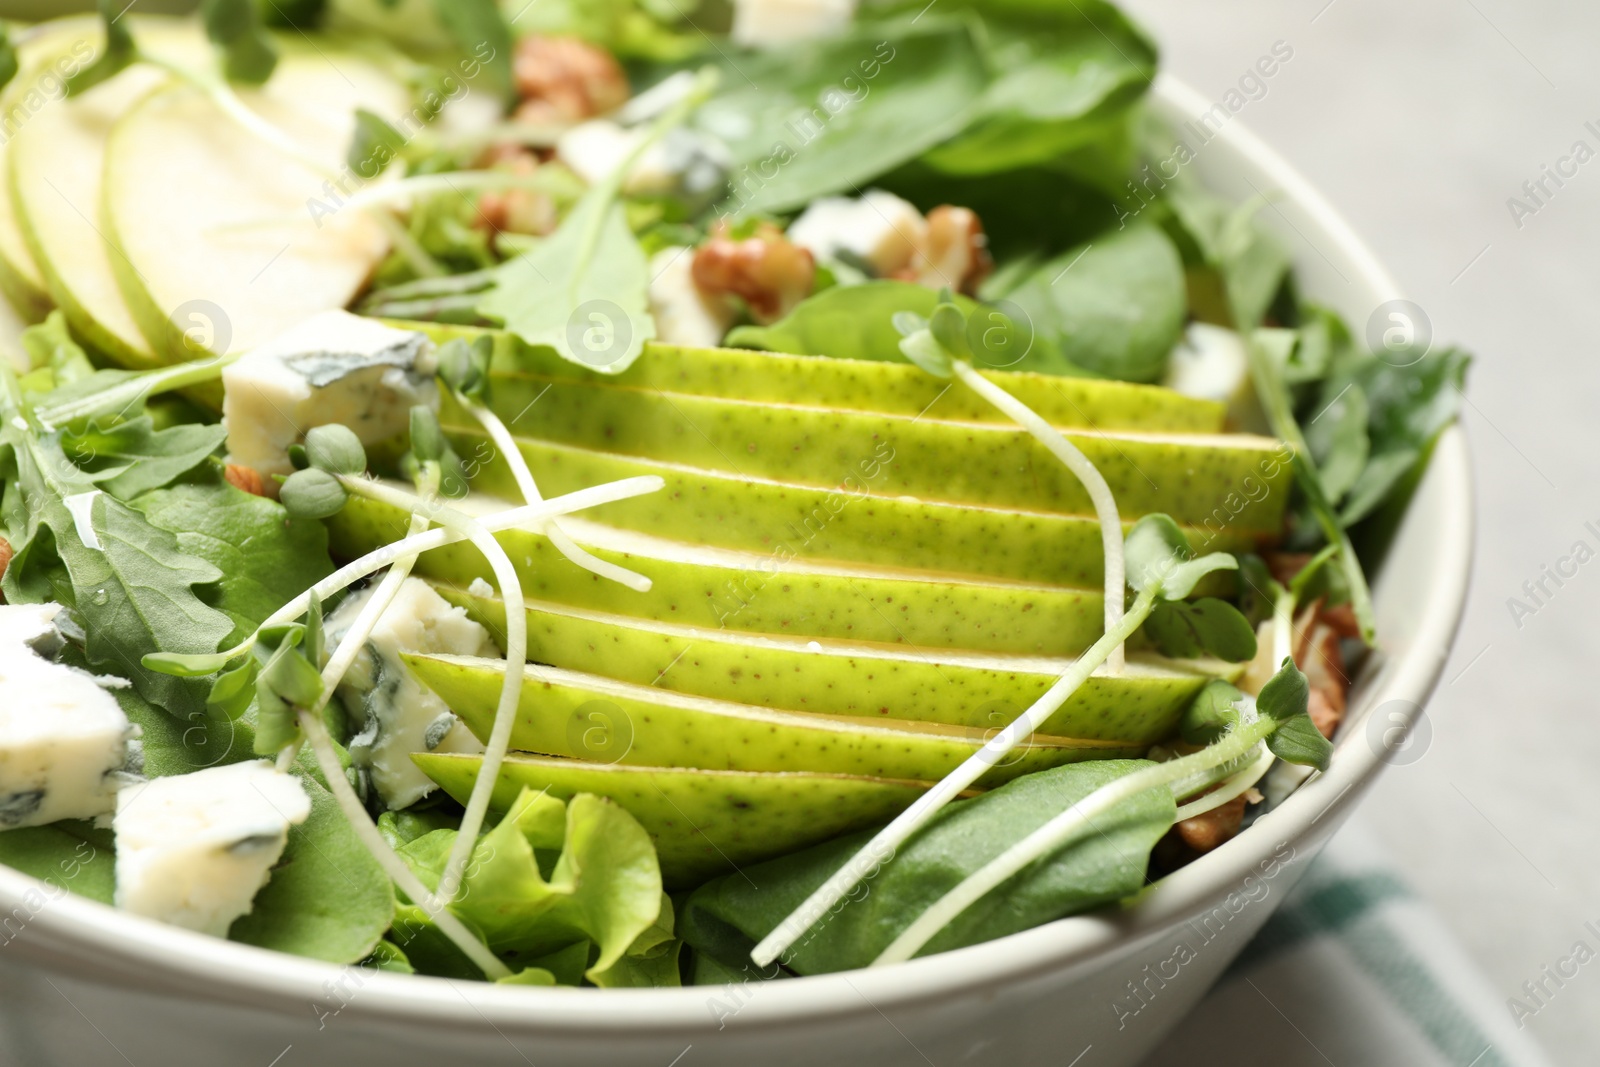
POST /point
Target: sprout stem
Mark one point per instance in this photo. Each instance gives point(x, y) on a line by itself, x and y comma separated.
point(510, 689)
point(1105, 505)
point(395, 867)
point(881, 848)
point(507, 444)
point(1178, 774)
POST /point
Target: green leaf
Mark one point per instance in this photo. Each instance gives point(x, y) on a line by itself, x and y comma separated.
point(1152, 549)
point(829, 116)
point(374, 145)
point(923, 349)
point(582, 291)
point(134, 457)
point(335, 448)
point(136, 593)
point(1286, 693)
point(234, 26)
point(535, 976)
point(1338, 439)
point(117, 54)
point(70, 855)
point(1181, 580)
point(1297, 740)
point(1114, 306)
point(387, 956)
point(313, 494)
point(1208, 626)
point(327, 899)
point(8, 57)
point(726, 916)
point(265, 558)
point(1062, 72)
point(478, 29)
point(464, 366)
point(1249, 263)
point(50, 346)
point(605, 886)
point(1212, 713)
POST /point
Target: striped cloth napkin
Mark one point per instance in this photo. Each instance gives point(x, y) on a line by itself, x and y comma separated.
point(1352, 971)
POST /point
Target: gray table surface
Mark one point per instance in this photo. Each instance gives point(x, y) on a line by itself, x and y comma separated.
point(1420, 120)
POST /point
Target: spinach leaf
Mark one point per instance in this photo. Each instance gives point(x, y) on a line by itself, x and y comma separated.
point(70, 855)
point(132, 586)
point(328, 899)
point(264, 557)
point(1114, 306)
point(1226, 240)
point(1106, 866)
point(177, 746)
point(823, 117)
point(582, 291)
point(133, 457)
point(1061, 71)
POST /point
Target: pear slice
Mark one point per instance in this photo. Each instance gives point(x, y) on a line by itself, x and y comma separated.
point(45, 57)
point(749, 592)
point(702, 822)
point(844, 525)
point(56, 168)
point(586, 716)
point(975, 690)
point(1189, 477)
point(212, 220)
point(853, 385)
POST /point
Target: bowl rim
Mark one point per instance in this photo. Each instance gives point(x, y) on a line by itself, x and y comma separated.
point(105, 943)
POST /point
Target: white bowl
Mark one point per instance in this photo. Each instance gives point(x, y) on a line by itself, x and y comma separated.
point(82, 983)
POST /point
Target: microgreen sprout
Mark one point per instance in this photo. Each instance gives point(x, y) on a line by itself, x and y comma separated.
point(464, 369)
point(938, 344)
point(1278, 720)
point(1161, 567)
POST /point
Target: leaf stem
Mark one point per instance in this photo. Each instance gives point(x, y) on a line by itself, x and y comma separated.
point(882, 846)
point(505, 715)
point(1105, 504)
point(1070, 824)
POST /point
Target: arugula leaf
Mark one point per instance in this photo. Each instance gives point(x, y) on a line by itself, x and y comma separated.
point(134, 457)
point(133, 594)
point(70, 855)
point(829, 116)
point(583, 291)
point(51, 350)
point(116, 55)
point(1101, 868)
point(234, 26)
point(1115, 306)
point(264, 557)
point(328, 899)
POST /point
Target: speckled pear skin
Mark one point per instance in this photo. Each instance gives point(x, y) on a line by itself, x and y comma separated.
point(563, 713)
point(1189, 478)
point(770, 595)
point(842, 525)
point(894, 388)
point(1140, 707)
point(703, 823)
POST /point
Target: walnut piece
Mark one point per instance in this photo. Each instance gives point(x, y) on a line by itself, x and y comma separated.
point(515, 210)
point(1205, 832)
point(953, 253)
point(247, 479)
point(564, 80)
point(766, 270)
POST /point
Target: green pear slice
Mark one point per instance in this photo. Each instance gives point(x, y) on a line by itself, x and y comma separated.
point(213, 221)
point(45, 57)
point(980, 691)
point(702, 822)
point(854, 385)
point(749, 592)
point(586, 716)
point(1238, 480)
point(844, 525)
point(56, 168)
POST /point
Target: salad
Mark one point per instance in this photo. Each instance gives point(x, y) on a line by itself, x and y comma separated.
point(645, 494)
